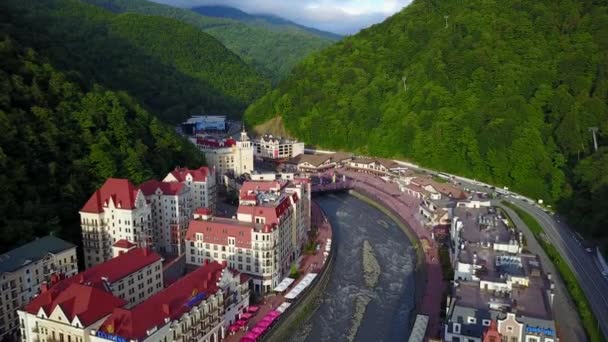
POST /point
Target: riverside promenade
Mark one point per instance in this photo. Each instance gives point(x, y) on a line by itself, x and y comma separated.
point(310, 263)
point(406, 207)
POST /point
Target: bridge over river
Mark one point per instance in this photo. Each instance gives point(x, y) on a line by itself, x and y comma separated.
point(388, 315)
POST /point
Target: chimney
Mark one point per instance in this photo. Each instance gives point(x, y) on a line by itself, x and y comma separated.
point(44, 287)
point(166, 309)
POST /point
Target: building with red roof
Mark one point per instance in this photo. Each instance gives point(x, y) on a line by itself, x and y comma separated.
point(116, 211)
point(200, 305)
point(201, 182)
point(67, 309)
point(172, 206)
point(227, 155)
point(262, 240)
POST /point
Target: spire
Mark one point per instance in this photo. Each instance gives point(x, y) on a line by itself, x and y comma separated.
point(244, 136)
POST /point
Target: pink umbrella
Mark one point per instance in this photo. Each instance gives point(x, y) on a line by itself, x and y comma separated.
point(233, 328)
point(252, 336)
point(246, 315)
point(253, 308)
point(241, 322)
point(247, 339)
point(257, 330)
point(263, 324)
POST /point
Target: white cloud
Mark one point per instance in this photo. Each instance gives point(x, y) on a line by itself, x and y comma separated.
point(340, 16)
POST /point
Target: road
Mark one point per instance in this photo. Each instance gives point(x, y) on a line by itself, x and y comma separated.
point(583, 264)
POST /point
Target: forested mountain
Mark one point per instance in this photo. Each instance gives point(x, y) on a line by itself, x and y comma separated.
point(173, 68)
point(267, 20)
point(272, 49)
point(61, 139)
point(503, 91)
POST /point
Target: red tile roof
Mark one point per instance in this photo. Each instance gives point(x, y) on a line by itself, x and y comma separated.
point(120, 191)
point(215, 143)
point(122, 243)
point(170, 303)
point(87, 303)
point(203, 211)
point(167, 188)
point(264, 186)
point(271, 214)
point(217, 231)
point(198, 175)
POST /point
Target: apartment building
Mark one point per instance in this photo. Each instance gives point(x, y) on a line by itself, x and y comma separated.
point(201, 182)
point(116, 211)
point(68, 309)
point(197, 307)
point(262, 240)
point(171, 207)
point(269, 147)
point(24, 268)
point(228, 155)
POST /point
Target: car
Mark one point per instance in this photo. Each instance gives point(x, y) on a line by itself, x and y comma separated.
point(605, 274)
point(589, 250)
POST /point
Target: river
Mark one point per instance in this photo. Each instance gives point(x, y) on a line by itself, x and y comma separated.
point(388, 313)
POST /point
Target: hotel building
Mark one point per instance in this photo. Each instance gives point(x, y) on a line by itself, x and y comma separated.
point(197, 307)
point(228, 155)
point(116, 211)
point(268, 147)
point(23, 269)
point(265, 237)
point(67, 310)
point(153, 215)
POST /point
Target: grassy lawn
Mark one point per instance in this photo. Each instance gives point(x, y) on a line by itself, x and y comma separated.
point(574, 288)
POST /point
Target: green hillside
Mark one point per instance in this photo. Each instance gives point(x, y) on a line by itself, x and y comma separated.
point(173, 68)
point(272, 49)
point(60, 140)
point(505, 92)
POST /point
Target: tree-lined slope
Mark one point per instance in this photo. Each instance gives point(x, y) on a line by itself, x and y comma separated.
point(272, 48)
point(505, 91)
point(171, 67)
point(61, 140)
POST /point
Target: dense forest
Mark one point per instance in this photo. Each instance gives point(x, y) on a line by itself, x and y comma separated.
point(61, 139)
point(503, 91)
point(172, 68)
point(272, 47)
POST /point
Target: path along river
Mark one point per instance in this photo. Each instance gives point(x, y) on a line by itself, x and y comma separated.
point(388, 313)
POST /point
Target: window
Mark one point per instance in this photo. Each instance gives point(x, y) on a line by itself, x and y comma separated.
point(471, 320)
point(486, 322)
point(456, 328)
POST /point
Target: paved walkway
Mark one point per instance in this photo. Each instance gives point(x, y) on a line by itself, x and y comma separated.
point(309, 264)
point(407, 208)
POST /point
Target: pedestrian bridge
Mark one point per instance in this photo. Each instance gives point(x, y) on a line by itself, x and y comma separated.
point(338, 186)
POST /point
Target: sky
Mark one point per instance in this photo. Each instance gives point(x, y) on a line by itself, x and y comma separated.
point(338, 16)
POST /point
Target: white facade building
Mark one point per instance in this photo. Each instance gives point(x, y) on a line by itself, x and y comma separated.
point(228, 155)
point(265, 237)
point(197, 307)
point(171, 207)
point(23, 269)
point(69, 309)
point(116, 211)
point(276, 148)
point(202, 184)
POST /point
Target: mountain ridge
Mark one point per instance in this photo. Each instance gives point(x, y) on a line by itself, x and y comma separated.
point(219, 11)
